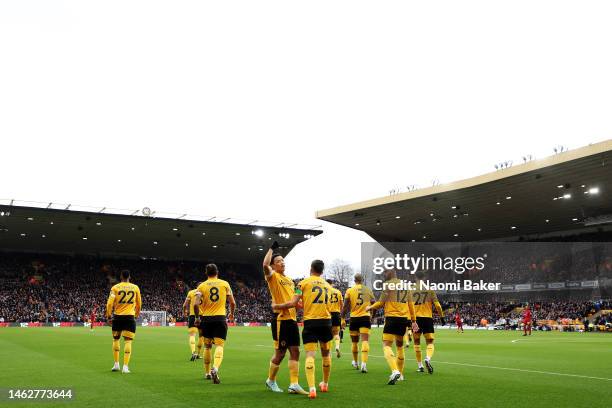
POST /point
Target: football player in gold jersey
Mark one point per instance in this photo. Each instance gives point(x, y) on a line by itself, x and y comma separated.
point(211, 296)
point(314, 293)
point(122, 308)
point(398, 305)
point(192, 329)
point(356, 300)
point(423, 301)
point(285, 332)
point(335, 308)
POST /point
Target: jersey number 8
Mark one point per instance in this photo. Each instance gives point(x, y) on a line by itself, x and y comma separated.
point(214, 294)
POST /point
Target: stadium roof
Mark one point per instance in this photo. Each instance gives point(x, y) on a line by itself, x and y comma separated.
point(569, 191)
point(67, 229)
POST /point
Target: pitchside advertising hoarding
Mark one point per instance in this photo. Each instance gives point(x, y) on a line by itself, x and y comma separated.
point(491, 270)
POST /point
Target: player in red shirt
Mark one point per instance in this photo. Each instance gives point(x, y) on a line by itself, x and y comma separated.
point(526, 320)
point(92, 318)
point(458, 322)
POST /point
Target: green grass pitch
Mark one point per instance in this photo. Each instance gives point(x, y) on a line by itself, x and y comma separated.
point(477, 368)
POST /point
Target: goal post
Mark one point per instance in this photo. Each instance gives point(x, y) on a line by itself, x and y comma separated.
point(152, 318)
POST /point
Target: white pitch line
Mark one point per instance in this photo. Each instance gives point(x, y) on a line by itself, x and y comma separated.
point(517, 369)
point(523, 370)
point(529, 371)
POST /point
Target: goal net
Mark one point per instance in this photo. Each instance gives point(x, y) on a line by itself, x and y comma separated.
point(152, 318)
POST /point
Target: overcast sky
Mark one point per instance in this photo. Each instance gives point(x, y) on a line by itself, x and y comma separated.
point(274, 109)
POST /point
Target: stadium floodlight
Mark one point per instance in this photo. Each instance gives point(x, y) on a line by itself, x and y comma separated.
point(43, 236)
point(259, 233)
point(397, 217)
point(513, 227)
point(30, 219)
point(594, 190)
point(1, 213)
point(567, 196)
point(508, 197)
point(574, 219)
point(356, 224)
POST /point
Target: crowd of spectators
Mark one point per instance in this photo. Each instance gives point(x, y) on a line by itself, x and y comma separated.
point(67, 289)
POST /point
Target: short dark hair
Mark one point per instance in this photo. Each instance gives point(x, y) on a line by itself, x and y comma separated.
point(274, 255)
point(212, 270)
point(125, 274)
point(317, 265)
point(420, 274)
point(330, 281)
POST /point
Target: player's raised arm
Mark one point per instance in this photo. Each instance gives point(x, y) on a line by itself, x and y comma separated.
point(268, 260)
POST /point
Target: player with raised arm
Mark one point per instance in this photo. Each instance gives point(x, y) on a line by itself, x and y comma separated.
point(122, 308)
point(423, 301)
point(356, 300)
point(212, 295)
point(398, 305)
point(285, 331)
point(188, 310)
point(314, 293)
point(335, 308)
